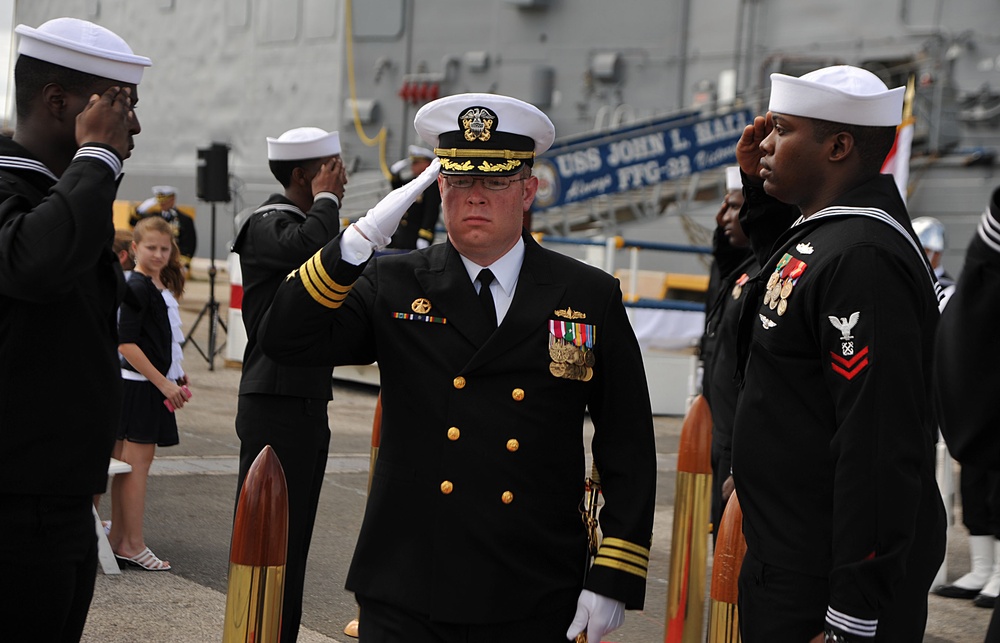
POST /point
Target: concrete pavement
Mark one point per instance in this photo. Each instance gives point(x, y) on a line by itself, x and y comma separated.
point(190, 505)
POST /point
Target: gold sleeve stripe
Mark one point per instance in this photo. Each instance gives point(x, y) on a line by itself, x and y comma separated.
point(322, 283)
point(319, 285)
point(327, 282)
point(618, 543)
point(620, 555)
point(620, 566)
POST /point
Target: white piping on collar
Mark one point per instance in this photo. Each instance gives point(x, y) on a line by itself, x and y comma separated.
point(21, 163)
point(883, 216)
point(989, 231)
point(281, 206)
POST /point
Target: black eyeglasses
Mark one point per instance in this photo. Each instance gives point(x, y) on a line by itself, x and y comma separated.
point(495, 183)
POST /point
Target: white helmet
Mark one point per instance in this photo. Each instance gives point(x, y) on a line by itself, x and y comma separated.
point(931, 233)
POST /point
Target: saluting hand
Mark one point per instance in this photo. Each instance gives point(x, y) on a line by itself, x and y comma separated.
point(748, 152)
point(109, 119)
point(332, 177)
point(720, 215)
point(379, 224)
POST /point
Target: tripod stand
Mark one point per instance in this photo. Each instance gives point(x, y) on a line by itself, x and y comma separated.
point(211, 308)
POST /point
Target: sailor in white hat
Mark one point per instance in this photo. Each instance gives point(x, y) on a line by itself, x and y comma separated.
point(732, 266)
point(839, 328)
point(282, 406)
point(68, 45)
point(163, 203)
point(75, 87)
point(491, 350)
point(416, 228)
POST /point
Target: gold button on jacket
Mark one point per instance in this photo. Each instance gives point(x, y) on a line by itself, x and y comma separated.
point(513, 445)
point(507, 497)
point(459, 382)
point(517, 394)
point(447, 487)
point(454, 433)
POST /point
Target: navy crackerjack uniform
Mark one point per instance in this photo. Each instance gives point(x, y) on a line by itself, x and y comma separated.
point(833, 446)
point(733, 267)
point(967, 347)
point(60, 286)
point(284, 406)
point(473, 513)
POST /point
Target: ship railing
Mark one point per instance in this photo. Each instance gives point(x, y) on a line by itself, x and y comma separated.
point(605, 258)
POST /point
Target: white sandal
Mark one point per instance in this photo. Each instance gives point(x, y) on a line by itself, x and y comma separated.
point(146, 560)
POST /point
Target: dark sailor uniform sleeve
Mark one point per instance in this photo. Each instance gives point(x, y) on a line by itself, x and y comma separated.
point(763, 218)
point(872, 355)
point(277, 242)
point(968, 347)
point(64, 234)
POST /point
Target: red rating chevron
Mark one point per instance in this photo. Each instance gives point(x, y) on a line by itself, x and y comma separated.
point(849, 368)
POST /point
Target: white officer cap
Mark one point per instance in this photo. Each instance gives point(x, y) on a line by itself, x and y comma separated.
point(399, 166)
point(164, 190)
point(303, 143)
point(82, 46)
point(484, 134)
point(733, 179)
point(417, 152)
point(930, 231)
point(842, 94)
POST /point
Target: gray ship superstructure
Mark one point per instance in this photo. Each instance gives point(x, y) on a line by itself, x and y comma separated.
point(235, 71)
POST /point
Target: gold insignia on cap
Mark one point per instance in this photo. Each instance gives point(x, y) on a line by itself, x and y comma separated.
point(421, 306)
point(486, 166)
point(569, 313)
point(452, 166)
point(477, 123)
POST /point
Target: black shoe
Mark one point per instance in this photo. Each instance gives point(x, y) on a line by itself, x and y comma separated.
point(952, 591)
point(984, 601)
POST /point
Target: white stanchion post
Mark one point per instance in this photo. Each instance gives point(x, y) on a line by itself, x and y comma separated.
point(610, 245)
point(946, 484)
point(236, 332)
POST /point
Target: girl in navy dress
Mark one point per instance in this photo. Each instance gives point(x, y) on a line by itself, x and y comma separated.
point(154, 383)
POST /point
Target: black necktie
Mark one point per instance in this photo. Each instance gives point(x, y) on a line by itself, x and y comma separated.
point(485, 278)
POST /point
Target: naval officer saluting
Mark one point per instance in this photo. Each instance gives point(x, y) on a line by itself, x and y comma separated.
point(491, 349)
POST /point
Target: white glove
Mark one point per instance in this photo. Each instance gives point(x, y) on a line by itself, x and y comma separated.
point(598, 614)
point(381, 221)
point(422, 243)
